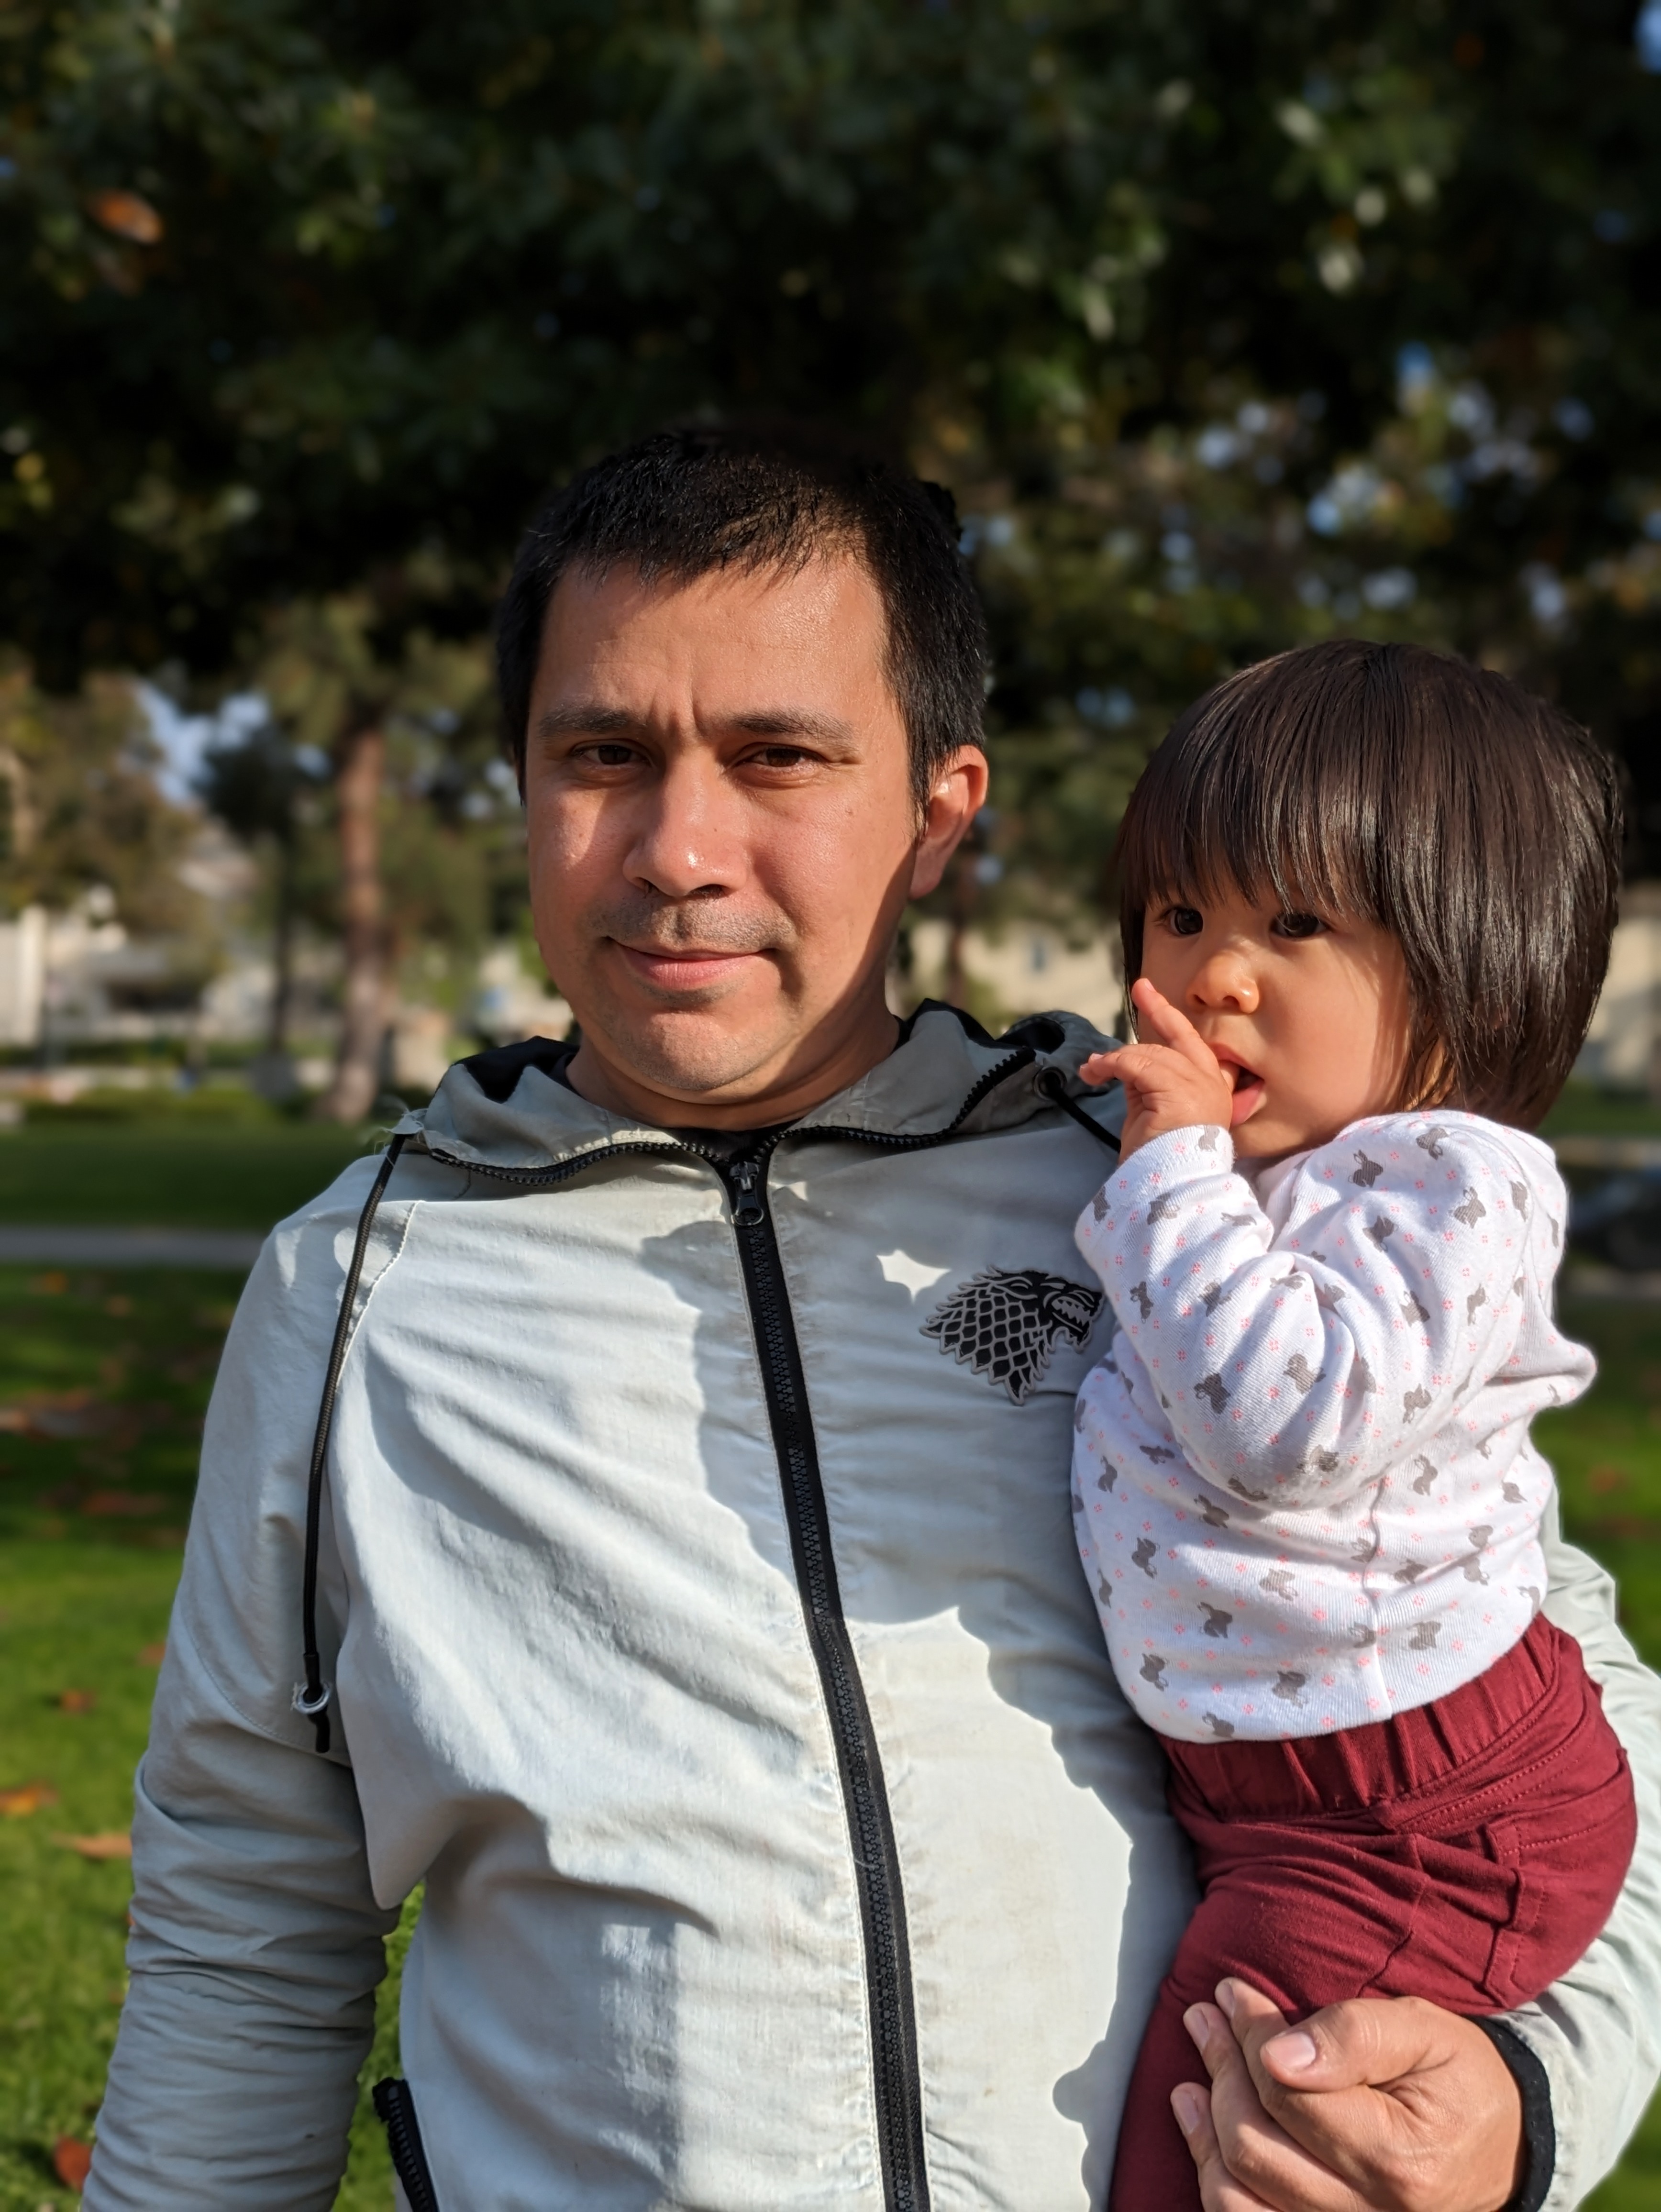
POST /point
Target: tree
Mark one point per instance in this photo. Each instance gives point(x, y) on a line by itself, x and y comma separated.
point(1229, 323)
point(342, 680)
point(82, 812)
point(258, 785)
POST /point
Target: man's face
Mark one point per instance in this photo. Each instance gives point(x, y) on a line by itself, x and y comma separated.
point(723, 835)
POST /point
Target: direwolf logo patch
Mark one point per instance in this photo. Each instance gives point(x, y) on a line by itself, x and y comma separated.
point(1005, 1324)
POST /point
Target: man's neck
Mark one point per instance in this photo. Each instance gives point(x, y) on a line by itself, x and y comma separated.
point(765, 1102)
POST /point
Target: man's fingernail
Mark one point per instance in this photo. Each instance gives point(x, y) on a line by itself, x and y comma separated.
point(1294, 2053)
point(1185, 2103)
point(1199, 2027)
point(1226, 1998)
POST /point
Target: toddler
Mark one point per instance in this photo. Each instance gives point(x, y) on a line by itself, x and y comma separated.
point(1367, 894)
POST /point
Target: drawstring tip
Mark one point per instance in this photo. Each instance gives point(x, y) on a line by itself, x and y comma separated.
point(313, 1704)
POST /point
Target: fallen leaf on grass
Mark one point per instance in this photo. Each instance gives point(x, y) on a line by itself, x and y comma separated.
point(69, 1415)
point(114, 1844)
point(71, 2162)
point(119, 1307)
point(76, 1701)
point(65, 1423)
point(116, 1505)
point(52, 1285)
point(14, 1804)
point(152, 1655)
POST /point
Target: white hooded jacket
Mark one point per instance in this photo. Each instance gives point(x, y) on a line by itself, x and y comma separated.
point(705, 1630)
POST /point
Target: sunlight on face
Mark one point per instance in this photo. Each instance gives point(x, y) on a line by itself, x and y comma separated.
point(1308, 1017)
point(723, 833)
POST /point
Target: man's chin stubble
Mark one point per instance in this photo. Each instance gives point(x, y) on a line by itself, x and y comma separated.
point(684, 1053)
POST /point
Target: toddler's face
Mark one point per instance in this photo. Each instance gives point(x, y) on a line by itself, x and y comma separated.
point(1307, 1018)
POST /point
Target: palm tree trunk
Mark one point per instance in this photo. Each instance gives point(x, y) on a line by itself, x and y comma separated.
point(365, 1008)
point(276, 1041)
point(954, 987)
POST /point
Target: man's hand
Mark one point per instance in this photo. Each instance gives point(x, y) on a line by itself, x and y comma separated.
point(1387, 2105)
point(1172, 1082)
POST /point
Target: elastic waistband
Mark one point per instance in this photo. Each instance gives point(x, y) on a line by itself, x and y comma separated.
point(1541, 1684)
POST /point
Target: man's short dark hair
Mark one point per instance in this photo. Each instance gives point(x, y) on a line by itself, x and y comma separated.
point(750, 497)
point(1389, 783)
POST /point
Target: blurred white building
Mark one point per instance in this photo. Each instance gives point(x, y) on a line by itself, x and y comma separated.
point(1623, 1046)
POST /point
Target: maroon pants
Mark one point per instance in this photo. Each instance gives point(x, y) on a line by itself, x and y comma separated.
point(1468, 1852)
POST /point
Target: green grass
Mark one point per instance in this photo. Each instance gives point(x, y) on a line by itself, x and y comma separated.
point(1584, 1111)
point(104, 1378)
point(112, 1373)
point(212, 1174)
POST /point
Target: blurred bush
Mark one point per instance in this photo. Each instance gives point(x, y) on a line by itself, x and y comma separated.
point(221, 1105)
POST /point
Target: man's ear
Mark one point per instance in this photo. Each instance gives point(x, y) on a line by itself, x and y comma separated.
point(957, 796)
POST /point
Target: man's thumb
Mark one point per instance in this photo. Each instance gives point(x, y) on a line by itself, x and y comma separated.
point(1347, 2045)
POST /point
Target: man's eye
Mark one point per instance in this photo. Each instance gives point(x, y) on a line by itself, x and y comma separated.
point(1185, 920)
point(608, 756)
point(780, 756)
point(1297, 925)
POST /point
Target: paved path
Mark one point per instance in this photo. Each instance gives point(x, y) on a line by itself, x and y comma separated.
point(46, 1245)
point(1607, 1152)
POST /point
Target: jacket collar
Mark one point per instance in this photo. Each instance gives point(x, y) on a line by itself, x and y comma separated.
point(508, 1110)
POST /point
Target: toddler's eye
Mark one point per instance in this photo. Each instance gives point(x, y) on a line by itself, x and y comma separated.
point(1185, 920)
point(1297, 925)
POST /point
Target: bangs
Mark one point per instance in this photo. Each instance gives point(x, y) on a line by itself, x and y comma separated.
point(1393, 785)
point(1251, 794)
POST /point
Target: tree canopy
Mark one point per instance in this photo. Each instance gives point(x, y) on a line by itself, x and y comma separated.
point(1229, 325)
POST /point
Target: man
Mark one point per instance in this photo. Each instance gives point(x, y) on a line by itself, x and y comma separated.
point(696, 1610)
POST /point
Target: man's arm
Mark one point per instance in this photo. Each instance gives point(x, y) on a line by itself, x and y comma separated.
point(1443, 2130)
point(1598, 2031)
point(257, 1941)
point(256, 1949)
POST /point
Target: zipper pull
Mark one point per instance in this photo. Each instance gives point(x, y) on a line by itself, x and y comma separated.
point(748, 1210)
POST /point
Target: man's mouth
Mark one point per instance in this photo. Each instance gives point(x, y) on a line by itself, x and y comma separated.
point(683, 967)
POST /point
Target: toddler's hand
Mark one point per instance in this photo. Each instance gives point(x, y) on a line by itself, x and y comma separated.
point(1172, 1078)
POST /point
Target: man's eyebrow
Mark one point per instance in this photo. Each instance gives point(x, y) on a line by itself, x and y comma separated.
point(795, 722)
point(584, 718)
point(587, 718)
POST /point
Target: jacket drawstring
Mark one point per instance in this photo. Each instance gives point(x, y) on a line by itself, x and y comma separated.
point(312, 1696)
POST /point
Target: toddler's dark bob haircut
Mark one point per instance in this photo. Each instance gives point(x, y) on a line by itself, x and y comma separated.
point(1391, 784)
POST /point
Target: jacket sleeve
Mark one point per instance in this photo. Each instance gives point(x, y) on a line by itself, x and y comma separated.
point(1315, 1363)
point(1598, 2031)
point(256, 1941)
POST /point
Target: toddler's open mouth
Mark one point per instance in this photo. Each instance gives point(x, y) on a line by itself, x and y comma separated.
point(1248, 1090)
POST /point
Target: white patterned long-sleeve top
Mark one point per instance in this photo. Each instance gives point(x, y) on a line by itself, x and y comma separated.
point(1304, 1487)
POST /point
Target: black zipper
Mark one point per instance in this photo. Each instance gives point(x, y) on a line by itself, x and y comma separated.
point(876, 1861)
point(396, 2107)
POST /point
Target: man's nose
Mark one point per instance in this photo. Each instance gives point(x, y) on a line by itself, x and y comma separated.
point(1224, 983)
point(686, 837)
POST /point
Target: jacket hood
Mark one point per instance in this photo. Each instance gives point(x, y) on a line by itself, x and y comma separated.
point(508, 1110)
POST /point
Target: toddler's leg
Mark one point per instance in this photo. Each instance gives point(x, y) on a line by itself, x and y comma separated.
point(1308, 1926)
point(1152, 2168)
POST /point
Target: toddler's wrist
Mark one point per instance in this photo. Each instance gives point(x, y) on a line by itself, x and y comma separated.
point(1151, 1163)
